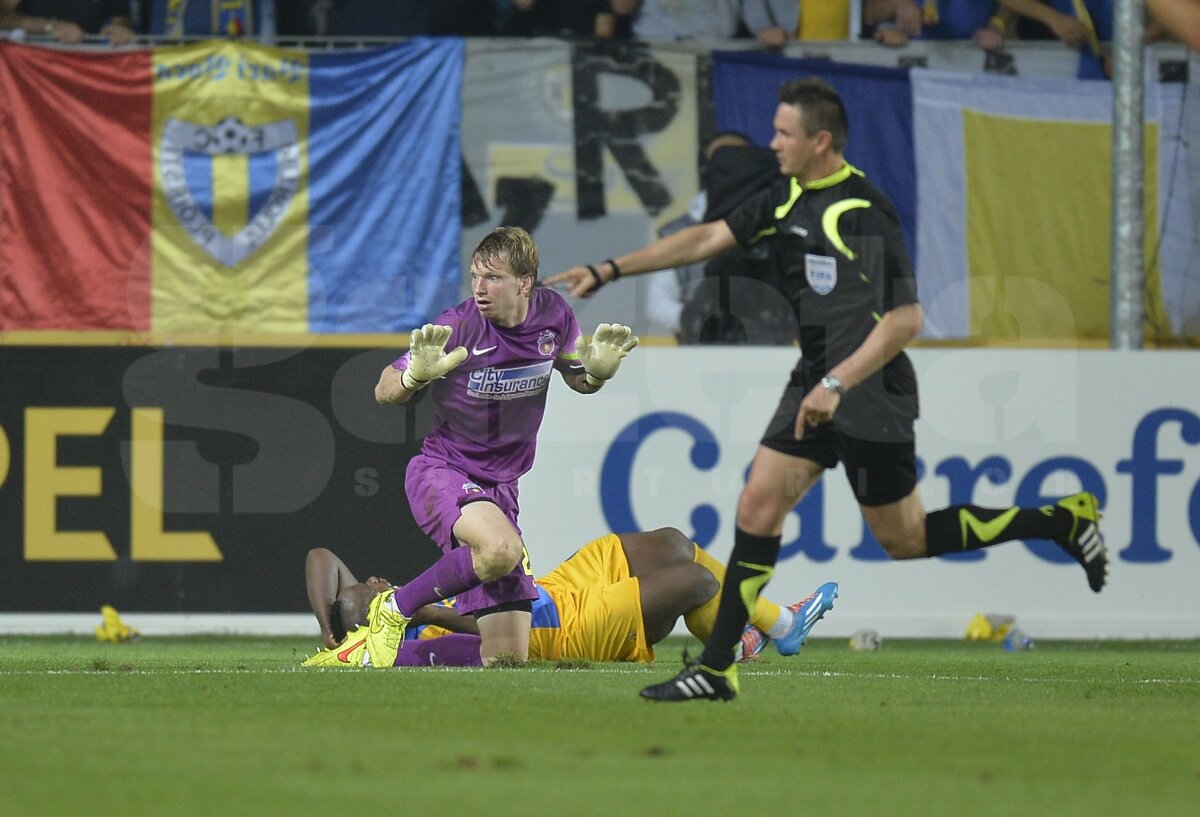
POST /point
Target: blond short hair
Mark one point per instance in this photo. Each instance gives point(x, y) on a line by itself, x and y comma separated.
point(512, 245)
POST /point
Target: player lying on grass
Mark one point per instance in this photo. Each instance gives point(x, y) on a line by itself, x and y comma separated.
point(613, 600)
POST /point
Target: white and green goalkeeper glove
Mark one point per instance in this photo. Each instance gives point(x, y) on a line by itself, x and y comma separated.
point(427, 356)
point(602, 357)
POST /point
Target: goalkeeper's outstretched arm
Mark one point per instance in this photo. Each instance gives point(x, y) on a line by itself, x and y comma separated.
point(601, 357)
point(428, 360)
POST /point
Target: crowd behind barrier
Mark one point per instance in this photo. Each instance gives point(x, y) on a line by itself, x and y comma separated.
point(988, 35)
point(773, 24)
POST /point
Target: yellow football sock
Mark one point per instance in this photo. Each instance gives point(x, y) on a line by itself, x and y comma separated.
point(700, 621)
point(766, 613)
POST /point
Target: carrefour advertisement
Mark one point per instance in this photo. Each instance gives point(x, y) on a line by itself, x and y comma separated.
point(668, 443)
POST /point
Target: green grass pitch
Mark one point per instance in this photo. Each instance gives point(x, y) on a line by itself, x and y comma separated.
point(231, 726)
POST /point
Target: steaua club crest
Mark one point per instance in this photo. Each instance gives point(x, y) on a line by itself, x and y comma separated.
point(546, 344)
point(471, 488)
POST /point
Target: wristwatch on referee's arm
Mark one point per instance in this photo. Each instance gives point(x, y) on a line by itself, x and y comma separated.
point(834, 385)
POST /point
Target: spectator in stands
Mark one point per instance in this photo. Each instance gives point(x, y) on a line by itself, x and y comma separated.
point(736, 297)
point(463, 18)
point(375, 18)
point(682, 19)
point(1180, 17)
point(775, 22)
point(1084, 25)
point(559, 18)
point(671, 289)
point(296, 18)
point(904, 17)
point(69, 21)
point(1038, 20)
point(895, 22)
point(220, 18)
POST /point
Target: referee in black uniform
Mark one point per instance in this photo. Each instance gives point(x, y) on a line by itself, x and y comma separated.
point(852, 398)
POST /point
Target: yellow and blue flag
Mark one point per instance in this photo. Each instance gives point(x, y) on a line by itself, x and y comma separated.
point(1014, 203)
point(1004, 190)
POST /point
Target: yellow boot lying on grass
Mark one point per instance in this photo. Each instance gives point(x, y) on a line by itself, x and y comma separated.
point(112, 629)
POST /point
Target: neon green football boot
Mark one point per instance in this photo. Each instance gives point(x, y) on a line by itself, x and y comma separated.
point(347, 655)
point(385, 630)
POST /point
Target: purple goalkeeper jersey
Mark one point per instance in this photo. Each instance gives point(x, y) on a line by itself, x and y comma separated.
point(489, 409)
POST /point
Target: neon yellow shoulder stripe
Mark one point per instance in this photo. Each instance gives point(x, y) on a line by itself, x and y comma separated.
point(829, 223)
point(796, 190)
point(793, 194)
point(837, 177)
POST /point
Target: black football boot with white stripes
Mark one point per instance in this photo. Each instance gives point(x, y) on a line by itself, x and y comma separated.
point(1084, 542)
point(696, 683)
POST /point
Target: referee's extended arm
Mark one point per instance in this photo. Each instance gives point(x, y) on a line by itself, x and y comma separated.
point(696, 243)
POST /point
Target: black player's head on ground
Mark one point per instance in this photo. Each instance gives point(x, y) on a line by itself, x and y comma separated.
point(338, 620)
point(820, 106)
point(349, 609)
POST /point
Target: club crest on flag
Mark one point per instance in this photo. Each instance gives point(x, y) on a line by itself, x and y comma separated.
point(188, 154)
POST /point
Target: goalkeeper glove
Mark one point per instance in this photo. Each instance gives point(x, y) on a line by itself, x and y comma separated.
point(602, 357)
point(427, 357)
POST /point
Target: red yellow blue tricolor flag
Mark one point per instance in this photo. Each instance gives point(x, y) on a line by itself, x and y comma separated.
point(229, 187)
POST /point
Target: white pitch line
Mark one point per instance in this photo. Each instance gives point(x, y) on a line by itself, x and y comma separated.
point(632, 670)
point(1023, 680)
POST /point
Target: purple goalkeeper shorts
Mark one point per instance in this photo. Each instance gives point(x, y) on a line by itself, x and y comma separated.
point(436, 495)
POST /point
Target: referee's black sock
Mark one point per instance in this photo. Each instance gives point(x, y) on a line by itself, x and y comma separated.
point(970, 527)
point(751, 566)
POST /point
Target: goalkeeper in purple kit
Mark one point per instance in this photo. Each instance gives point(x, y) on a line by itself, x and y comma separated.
point(489, 394)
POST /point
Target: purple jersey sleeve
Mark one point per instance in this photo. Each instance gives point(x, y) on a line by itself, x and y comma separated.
point(568, 355)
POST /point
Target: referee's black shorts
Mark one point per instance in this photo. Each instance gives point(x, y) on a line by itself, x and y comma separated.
point(879, 471)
